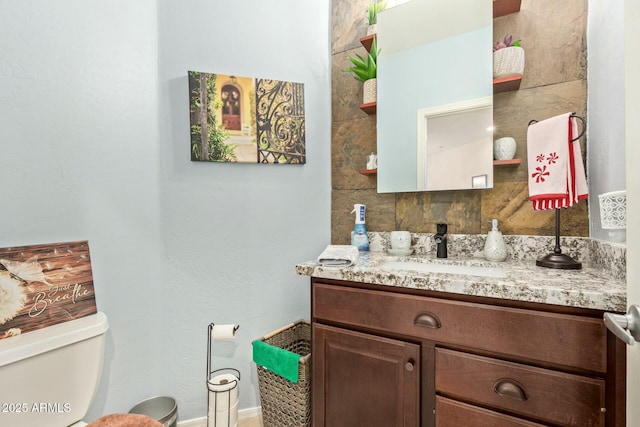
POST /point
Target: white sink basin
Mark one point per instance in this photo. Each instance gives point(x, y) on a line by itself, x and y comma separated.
point(425, 267)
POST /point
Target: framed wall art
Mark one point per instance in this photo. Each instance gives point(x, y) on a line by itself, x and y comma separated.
point(246, 120)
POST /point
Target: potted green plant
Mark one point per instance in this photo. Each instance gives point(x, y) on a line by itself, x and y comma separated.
point(508, 58)
point(364, 70)
point(371, 15)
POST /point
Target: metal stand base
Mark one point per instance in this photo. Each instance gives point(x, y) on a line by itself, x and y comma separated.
point(560, 261)
point(557, 259)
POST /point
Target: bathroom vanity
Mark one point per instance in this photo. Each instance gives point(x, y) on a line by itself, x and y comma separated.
point(525, 346)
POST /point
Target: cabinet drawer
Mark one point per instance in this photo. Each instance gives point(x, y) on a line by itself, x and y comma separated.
point(561, 339)
point(543, 394)
point(451, 413)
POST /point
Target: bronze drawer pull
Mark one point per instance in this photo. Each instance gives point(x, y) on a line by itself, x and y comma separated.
point(428, 320)
point(506, 387)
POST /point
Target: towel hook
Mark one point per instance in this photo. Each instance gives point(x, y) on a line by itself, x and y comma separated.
point(584, 125)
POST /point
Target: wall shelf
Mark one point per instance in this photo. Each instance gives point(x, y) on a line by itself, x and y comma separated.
point(505, 7)
point(369, 107)
point(512, 162)
point(507, 84)
point(368, 171)
point(367, 40)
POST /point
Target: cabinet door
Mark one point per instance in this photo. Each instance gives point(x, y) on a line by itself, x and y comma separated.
point(363, 380)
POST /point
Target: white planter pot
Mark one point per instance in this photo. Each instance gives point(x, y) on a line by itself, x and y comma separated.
point(504, 148)
point(372, 29)
point(369, 91)
point(508, 62)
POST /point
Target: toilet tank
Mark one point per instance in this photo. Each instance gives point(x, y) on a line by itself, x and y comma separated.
point(49, 377)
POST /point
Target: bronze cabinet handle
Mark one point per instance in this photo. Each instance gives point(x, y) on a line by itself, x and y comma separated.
point(427, 320)
point(506, 387)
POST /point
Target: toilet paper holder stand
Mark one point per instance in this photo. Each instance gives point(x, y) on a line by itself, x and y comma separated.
point(211, 373)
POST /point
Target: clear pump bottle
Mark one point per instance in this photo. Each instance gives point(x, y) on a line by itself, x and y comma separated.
point(359, 237)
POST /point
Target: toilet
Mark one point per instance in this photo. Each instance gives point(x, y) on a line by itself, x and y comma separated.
point(50, 376)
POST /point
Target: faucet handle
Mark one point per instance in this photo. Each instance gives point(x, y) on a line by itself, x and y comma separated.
point(441, 228)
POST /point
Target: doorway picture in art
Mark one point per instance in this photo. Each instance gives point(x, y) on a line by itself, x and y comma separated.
point(246, 120)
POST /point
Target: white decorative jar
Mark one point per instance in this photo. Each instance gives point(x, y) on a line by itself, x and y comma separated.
point(504, 148)
point(508, 61)
point(369, 91)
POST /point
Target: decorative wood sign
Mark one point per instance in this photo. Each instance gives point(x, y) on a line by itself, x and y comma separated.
point(42, 285)
point(246, 119)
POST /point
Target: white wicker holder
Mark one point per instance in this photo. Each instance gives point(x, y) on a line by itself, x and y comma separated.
point(508, 61)
point(369, 91)
point(613, 210)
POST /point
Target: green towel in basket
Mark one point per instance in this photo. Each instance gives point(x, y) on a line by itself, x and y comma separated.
point(278, 360)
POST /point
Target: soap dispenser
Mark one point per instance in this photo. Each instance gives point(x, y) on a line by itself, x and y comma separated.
point(359, 237)
point(495, 249)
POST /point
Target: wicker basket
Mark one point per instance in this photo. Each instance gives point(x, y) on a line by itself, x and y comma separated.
point(287, 404)
point(508, 62)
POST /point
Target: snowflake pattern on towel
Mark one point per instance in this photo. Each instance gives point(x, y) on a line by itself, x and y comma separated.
point(552, 158)
point(542, 172)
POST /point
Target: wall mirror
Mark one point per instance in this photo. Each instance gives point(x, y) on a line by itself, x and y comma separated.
point(450, 152)
point(434, 55)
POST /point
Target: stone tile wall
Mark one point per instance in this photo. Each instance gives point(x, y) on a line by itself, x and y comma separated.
point(553, 35)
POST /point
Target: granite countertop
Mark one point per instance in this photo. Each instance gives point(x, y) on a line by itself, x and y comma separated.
point(523, 280)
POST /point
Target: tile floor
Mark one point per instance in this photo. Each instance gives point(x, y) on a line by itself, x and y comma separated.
point(251, 422)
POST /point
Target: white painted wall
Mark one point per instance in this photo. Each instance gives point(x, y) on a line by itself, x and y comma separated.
point(94, 139)
point(234, 232)
point(605, 120)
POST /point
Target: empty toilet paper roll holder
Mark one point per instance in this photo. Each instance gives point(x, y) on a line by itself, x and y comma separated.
point(212, 373)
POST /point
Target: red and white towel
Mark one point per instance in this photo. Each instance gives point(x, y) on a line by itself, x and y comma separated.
point(556, 172)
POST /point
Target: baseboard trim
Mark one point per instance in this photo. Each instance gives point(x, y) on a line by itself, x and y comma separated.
point(195, 422)
point(243, 414)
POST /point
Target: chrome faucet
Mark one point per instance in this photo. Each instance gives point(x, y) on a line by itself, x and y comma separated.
point(441, 240)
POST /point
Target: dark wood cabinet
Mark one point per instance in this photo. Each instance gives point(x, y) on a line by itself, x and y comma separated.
point(390, 356)
point(526, 391)
point(364, 379)
point(452, 413)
